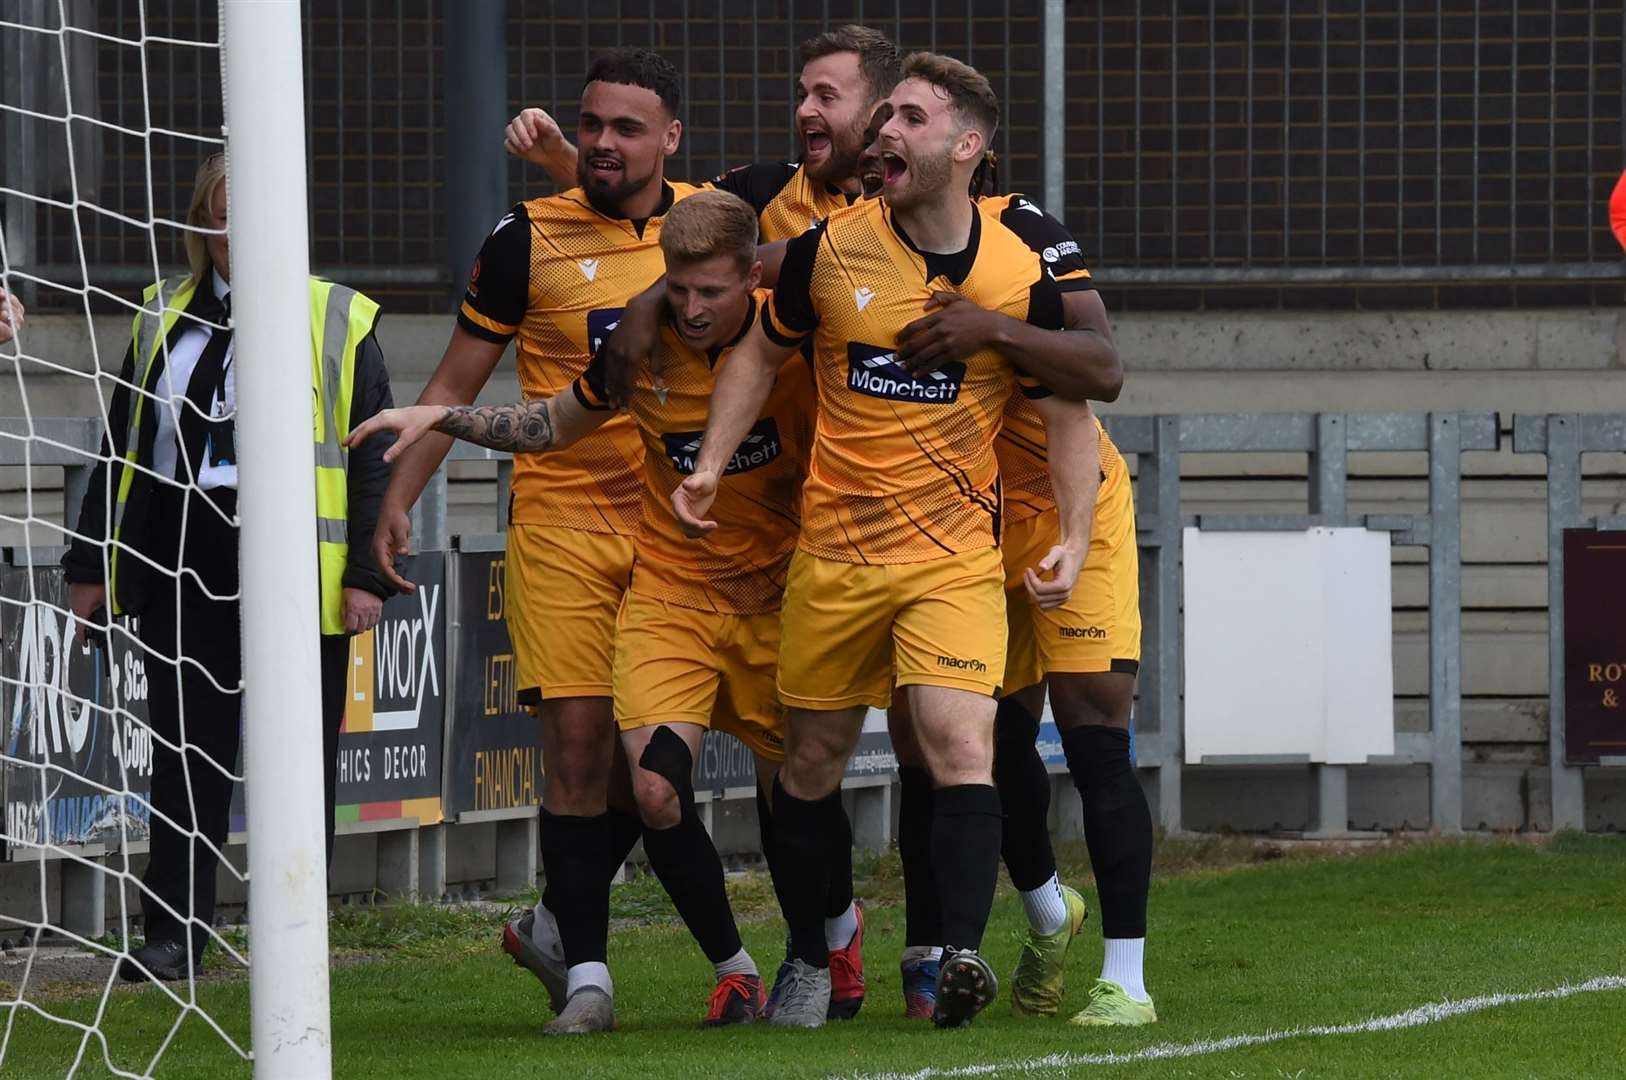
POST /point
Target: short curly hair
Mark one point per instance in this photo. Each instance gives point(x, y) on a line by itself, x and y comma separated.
point(639, 67)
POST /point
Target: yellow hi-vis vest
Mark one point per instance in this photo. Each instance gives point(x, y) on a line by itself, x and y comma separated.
point(340, 319)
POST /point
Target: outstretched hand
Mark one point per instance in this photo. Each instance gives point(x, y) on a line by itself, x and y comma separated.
point(409, 424)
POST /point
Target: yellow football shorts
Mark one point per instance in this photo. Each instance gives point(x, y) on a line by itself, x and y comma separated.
point(850, 630)
point(1098, 629)
point(563, 589)
point(675, 663)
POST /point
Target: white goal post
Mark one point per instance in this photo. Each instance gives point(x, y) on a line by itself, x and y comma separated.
point(282, 753)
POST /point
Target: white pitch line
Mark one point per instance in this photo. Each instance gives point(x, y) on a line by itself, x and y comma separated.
point(1423, 1014)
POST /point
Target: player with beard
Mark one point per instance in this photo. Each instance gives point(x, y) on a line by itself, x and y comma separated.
point(897, 577)
point(554, 274)
point(845, 72)
point(697, 638)
point(1087, 651)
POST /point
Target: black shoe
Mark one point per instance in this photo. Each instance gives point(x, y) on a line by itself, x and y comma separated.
point(164, 960)
point(965, 986)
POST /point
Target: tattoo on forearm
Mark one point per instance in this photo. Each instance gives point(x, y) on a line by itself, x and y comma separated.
point(520, 428)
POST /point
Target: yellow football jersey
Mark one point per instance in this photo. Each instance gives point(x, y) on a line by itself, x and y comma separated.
point(555, 274)
point(903, 469)
point(788, 202)
point(740, 567)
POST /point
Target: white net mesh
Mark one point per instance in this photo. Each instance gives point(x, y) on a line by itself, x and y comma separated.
point(96, 210)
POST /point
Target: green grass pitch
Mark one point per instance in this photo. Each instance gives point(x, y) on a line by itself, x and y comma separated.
point(1241, 945)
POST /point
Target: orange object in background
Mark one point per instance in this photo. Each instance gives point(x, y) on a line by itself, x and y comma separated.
point(1617, 210)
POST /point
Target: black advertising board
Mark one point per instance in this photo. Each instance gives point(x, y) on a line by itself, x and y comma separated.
point(76, 769)
point(494, 755)
point(1594, 646)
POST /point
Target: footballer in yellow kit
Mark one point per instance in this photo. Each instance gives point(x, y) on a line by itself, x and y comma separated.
point(897, 577)
point(697, 632)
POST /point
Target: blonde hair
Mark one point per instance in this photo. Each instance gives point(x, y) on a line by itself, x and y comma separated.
point(708, 224)
point(211, 174)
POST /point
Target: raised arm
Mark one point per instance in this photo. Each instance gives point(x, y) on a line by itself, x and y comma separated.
point(737, 397)
point(534, 136)
point(1074, 454)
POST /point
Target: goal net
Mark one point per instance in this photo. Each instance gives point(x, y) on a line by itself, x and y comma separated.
point(130, 482)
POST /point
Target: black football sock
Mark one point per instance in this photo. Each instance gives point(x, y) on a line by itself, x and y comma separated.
point(683, 856)
point(923, 922)
point(1024, 797)
point(685, 860)
point(765, 823)
point(840, 896)
point(1117, 825)
point(965, 859)
point(625, 829)
point(578, 892)
point(801, 834)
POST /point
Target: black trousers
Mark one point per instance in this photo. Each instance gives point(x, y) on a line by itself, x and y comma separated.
point(195, 705)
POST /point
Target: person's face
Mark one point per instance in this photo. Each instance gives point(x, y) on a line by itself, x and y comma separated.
point(922, 144)
point(623, 138)
point(708, 299)
point(870, 170)
point(833, 101)
point(219, 246)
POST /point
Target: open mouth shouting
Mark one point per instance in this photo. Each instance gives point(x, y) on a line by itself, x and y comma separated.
point(816, 143)
point(894, 169)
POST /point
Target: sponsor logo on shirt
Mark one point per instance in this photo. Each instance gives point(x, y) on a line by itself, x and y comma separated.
point(760, 446)
point(876, 372)
point(601, 323)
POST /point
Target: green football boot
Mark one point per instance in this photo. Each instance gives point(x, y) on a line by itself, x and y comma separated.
point(1111, 1006)
point(1041, 969)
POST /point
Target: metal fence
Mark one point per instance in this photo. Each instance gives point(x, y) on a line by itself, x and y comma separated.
point(1246, 143)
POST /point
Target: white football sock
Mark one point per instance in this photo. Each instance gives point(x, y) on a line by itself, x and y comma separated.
point(912, 953)
point(591, 973)
point(1046, 907)
point(839, 931)
point(1121, 963)
point(738, 964)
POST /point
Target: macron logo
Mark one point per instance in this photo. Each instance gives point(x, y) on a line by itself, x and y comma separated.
point(589, 268)
point(507, 219)
point(1023, 204)
point(862, 297)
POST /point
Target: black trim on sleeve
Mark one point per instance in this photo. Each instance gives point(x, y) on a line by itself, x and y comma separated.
point(792, 306)
point(1043, 234)
point(581, 395)
point(1036, 392)
point(1044, 303)
point(482, 332)
point(1125, 667)
point(1078, 284)
point(757, 184)
point(500, 280)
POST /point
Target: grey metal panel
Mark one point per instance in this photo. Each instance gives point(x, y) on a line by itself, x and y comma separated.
point(1445, 621)
point(1259, 431)
point(1132, 434)
point(481, 542)
point(1562, 438)
point(25, 443)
